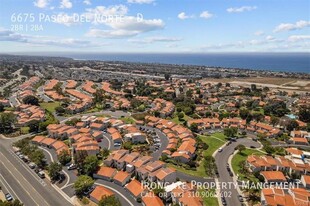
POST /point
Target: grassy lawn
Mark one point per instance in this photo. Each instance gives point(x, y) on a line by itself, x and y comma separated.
point(213, 142)
point(24, 130)
point(177, 121)
point(95, 109)
point(208, 197)
point(199, 172)
point(9, 108)
point(241, 157)
point(128, 120)
point(50, 106)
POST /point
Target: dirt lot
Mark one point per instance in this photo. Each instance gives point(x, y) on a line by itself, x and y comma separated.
point(272, 82)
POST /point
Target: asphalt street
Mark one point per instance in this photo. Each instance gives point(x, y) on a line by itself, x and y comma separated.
point(221, 158)
point(23, 183)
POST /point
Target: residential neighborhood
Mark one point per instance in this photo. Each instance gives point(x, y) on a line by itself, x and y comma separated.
point(154, 142)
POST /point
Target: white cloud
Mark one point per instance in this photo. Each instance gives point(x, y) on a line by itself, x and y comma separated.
point(98, 14)
point(183, 16)
point(149, 40)
point(67, 20)
point(87, 2)
point(131, 23)
point(270, 38)
point(295, 38)
point(259, 33)
point(206, 15)
point(289, 26)
point(7, 35)
point(241, 9)
point(65, 4)
point(140, 1)
point(41, 3)
point(120, 27)
point(112, 34)
point(130, 26)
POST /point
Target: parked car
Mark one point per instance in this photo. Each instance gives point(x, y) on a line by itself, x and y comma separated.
point(224, 201)
point(37, 170)
point(117, 144)
point(71, 167)
point(32, 165)
point(8, 197)
point(41, 174)
point(233, 139)
point(89, 190)
point(220, 150)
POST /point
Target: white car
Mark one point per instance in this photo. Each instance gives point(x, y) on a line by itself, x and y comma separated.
point(220, 150)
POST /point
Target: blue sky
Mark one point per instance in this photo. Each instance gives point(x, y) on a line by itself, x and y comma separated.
point(166, 26)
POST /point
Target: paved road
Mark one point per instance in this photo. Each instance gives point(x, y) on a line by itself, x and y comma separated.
point(221, 158)
point(107, 142)
point(41, 93)
point(116, 114)
point(13, 100)
point(163, 141)
point(29, 188)
point(51, 156)
point(12, 81)
point(283, 144)
point(124, 196)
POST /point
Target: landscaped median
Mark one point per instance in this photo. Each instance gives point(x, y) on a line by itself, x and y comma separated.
point(214, 141)
point(238, 163)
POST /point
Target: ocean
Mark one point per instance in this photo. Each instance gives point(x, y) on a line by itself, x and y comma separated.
point(285, 62)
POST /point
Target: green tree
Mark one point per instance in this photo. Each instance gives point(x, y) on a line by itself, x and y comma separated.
point(15, 202)
point(110, 200)
point(53, 170)
point(31, 100)
point(6, 122)
point(33, 126)
point(90, 164)
point(167, 76)
point(105, 153)
point(60, 110)
point(230, 132)
point(64, 157)
point(158, 190)
point(98, 97)
point(156, 113)
point(194, 127)
point(127, 145)
point(304, 115)
point(293, 124)
point(180, 116)
point(240, 148)
point(253, 87)
point(1, 107)
point(82, 184)
point(274, 120)
point(244, 113)
point(37, 157)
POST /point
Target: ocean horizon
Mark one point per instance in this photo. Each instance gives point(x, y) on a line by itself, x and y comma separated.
point(284, 62)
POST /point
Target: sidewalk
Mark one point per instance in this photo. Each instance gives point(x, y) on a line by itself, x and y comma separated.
point(235, 178)
point(2, 197)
